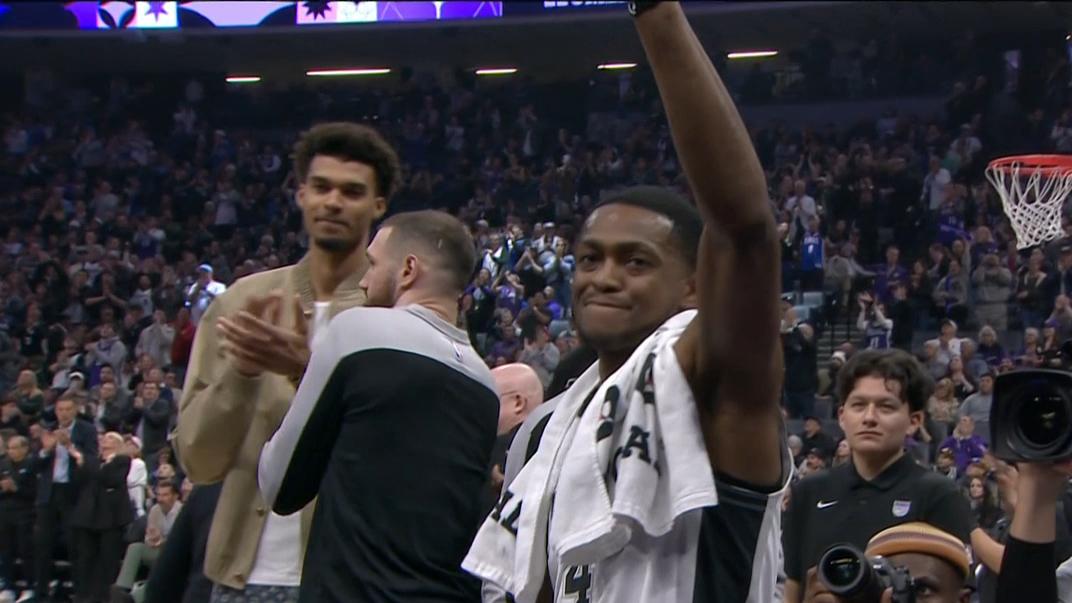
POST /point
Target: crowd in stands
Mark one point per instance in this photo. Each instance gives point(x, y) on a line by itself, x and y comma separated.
point(124, 212)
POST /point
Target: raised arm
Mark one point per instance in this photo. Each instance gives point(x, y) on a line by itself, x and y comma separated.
point(731, 353)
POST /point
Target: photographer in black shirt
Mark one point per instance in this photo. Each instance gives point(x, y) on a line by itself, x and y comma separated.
point(1026, 572)
point(881, 394)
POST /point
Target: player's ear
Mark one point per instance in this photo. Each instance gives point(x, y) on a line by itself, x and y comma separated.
point(379, 208)
point(916, 419)
point(300, 196)
point(411, 268)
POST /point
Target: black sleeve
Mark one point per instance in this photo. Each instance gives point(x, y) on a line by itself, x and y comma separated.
point(158, 412)
point(114, 474)
point(87, 440)
point(1027, 573)
point(26, 484)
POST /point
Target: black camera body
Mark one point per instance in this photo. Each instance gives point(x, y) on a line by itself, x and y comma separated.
point(1031, 416)
point(856, 578)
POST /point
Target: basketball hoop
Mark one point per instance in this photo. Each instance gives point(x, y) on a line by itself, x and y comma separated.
point(1033, 189)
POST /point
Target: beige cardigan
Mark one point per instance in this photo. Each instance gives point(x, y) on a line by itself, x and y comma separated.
point(226, 418)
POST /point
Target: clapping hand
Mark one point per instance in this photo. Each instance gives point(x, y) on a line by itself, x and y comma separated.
point(257, 342)
point(153, 537)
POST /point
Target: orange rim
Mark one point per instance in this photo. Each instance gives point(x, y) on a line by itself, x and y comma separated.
point(1030, 164)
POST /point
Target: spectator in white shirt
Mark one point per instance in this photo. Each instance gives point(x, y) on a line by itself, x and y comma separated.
point(137, 477)
point(161, 519)
point(801, 204)
point(156, 339)
point(935, 183)
point(202, 292)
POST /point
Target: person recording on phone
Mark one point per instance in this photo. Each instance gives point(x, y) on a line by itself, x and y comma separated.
point(935, 563)
point(873, 322)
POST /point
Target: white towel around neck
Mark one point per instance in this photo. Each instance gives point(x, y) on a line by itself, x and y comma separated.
point(633, 458)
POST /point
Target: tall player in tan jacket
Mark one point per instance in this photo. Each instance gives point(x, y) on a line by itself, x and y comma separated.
point(251, 349)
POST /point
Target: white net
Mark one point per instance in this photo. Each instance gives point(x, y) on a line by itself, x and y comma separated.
point(1032, 197)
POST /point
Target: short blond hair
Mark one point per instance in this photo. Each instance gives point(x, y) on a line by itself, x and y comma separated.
point(115, 437)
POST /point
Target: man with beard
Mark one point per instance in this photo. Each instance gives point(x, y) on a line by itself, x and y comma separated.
point(393, 427)
point(242, 376)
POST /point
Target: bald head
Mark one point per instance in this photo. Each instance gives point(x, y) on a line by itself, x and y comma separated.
point(520, 391)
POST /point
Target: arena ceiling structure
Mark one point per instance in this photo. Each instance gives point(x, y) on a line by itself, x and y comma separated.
point(544, 40)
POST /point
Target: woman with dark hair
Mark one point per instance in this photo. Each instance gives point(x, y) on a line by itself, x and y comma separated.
point(984, 503)
point(99, 518)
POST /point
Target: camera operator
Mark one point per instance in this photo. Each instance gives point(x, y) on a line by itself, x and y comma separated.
point(937, 562)
point(881, 396)
point(1028, 559)
point(876, 327)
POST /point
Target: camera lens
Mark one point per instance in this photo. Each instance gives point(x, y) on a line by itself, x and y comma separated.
point(1042, 415)
point(842, 569)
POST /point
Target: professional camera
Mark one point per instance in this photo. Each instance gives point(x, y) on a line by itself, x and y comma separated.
point(856, 578)
point(1031, 417)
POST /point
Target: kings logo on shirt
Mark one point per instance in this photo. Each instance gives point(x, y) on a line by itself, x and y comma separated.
point(901, 507)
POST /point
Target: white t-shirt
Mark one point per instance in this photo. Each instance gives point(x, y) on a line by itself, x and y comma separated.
point(934, 185)
point(137, 479)
point(278, 561)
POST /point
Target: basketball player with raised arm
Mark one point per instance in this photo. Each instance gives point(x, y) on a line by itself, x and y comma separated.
point(659, 475)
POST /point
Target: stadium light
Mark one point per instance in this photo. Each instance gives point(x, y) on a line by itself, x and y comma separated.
point(497, 71)
point(614, 66)
point(243, 79)
point(752, 54)
point(344, 72)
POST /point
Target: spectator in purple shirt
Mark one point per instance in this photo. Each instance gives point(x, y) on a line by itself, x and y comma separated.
point(506, 348)
point(889, 273)
point(510, 293)
point(966, 446)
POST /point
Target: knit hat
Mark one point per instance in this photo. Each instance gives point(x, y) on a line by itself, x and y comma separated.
point(919, 537)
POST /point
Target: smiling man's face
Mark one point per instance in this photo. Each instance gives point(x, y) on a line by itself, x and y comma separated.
point(339, 202)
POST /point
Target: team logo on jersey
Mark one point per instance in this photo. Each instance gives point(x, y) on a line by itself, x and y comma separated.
point(901, 507)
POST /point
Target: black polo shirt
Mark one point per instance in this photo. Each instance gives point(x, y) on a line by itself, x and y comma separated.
point(838, 506)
